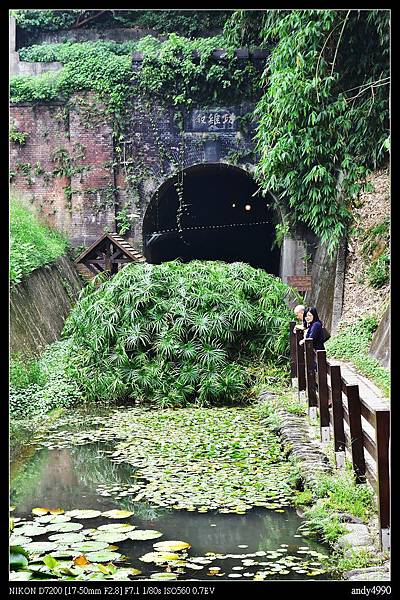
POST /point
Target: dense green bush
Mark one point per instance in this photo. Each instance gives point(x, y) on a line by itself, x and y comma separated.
point(352, 343)
point(32, 244)
point(177, 333)
point(38, 386)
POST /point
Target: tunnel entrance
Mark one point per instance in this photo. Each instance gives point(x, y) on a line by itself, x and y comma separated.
point(219, 216)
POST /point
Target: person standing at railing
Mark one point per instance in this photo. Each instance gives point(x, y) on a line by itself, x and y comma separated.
point(299, 312)
point(314, 328)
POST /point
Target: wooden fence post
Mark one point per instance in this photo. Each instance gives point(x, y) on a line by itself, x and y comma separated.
point(293, 353)
point(382, 432)
point(310, 379)
point(356, 434)
point(323, 397)
point(337, 409)
point(301, 373)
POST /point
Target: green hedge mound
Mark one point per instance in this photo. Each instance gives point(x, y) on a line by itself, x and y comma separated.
point(176, 334)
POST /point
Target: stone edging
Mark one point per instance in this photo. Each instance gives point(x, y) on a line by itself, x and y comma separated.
point(297, 438)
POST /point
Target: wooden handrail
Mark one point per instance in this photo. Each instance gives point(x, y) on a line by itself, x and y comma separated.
point(338, 405)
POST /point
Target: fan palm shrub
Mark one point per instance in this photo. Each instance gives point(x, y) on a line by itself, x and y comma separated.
point(176, 334)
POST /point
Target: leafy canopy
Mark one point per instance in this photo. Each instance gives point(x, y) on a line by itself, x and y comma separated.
point(177, 333)
point(323, 119)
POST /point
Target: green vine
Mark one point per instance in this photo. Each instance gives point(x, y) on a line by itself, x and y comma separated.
point(323, 116)
point(18, 137)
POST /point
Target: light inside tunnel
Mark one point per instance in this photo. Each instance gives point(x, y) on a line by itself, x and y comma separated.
point(202, 225)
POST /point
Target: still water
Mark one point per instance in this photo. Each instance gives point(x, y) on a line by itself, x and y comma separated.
point(84, 477)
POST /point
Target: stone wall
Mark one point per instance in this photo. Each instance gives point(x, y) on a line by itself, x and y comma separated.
point(327, 278)
point(380, 344)
point(40, 304)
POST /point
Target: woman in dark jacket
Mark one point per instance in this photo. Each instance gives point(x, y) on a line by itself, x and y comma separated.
point(314, 328)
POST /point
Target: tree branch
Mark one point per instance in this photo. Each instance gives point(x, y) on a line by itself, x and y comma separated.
point(77, 24)
point(340, 39)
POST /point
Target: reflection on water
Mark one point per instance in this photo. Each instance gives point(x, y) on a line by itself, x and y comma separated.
point(76, 477)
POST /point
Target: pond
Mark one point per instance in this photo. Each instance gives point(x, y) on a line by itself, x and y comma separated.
point(57, 472)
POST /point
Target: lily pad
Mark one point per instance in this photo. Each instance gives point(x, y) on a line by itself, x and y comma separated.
point(40, 546)
point(20, 575)
point(158, 557)
point(30, 530)
point(103, 556)
point(163, 575)
point(68, 538)
point(64, 527)
point(83, 514)
point(52, 519)
point(19, 540)
point(89, 546)
point(172, 546)
point(144, 534)
point(117, 514)
point(45, 511)
point(110, 537)
point(124, 527)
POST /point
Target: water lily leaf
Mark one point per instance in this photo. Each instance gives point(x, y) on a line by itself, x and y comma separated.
point(40, 511)
point(52, 519)
point(83, 514)
point(144, 534)
point(173, 546)
point(117, 527)
point(64, 527)
point(163, 575)
point(45, 511)
point(159, 557)
point(20, 575)
point(30, 530)
point(81, 561)
point(67, 537)
point(19, 540)
point(117, 514)
point(110, 537)
point(40, 546)
point(89, 546)
point(50, 562)
point(103, 556)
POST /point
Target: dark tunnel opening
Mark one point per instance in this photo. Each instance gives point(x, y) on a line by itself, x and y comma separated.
point(220, 217)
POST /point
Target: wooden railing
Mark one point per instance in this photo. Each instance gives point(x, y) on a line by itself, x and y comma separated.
point(359, 426)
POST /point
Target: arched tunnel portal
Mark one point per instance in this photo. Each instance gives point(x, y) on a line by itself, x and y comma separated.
point(218, 216)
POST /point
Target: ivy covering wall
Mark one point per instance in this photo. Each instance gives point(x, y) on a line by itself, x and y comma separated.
point(322, 111)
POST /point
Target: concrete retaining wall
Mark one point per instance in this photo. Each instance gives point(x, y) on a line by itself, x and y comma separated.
point(40, 304)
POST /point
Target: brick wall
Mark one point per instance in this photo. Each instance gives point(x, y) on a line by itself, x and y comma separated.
point(55, 130)
point(82, 202)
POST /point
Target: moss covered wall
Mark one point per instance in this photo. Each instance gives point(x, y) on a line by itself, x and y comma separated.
point(40, 304)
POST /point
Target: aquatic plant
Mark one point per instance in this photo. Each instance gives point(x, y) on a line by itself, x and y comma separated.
point(176, 334)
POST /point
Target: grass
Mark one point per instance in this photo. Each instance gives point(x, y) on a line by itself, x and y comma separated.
point(352, 344)
point(32, 244)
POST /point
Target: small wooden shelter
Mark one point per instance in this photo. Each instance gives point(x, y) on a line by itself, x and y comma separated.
point(109, 253)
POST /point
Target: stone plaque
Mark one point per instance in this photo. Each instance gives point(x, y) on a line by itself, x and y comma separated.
point(212, 120)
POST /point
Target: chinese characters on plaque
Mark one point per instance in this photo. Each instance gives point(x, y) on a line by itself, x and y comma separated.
point(213, 120)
